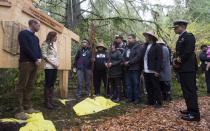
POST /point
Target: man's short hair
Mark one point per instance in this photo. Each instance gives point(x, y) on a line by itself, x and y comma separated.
point(32, 21)
point(88, 41)
point(132, 35)
point(119, 37)
point(203, 46)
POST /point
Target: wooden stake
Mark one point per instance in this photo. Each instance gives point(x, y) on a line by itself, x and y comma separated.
point(63, 83)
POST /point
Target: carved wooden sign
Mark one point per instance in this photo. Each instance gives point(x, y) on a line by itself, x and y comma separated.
point(43, 18)
point(10, 36)
point(5, 3)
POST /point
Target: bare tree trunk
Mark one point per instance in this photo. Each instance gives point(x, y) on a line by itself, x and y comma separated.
point(73, 11)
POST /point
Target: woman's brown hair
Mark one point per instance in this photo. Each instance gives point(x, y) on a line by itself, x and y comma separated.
point(50, 36)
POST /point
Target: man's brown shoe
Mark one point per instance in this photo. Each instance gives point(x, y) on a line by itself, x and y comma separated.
point(21, 116)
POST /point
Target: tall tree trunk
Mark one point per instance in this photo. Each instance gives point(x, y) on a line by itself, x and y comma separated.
point(73, 11)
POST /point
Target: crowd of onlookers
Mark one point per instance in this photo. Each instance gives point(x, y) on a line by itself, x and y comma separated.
point(124, 67)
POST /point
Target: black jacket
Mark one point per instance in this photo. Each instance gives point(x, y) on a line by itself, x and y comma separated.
point(29, 46)
point(133, 54)
point(155, 57)
point(203, 58)
point(116, 68)
point(100, 58)
point(185, 48)
point(83, 59)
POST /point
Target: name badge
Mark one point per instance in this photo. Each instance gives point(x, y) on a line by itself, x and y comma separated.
point(84, 54)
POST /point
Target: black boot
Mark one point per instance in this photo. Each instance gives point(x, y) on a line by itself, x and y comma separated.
point(117, 94)
point(158, 104)
point(168, 97)
point(164, 96)
point(137, 101)
point(47, 98)
point(191, 117)
point(184, 112)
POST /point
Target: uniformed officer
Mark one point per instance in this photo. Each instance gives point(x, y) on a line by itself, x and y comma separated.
point(186, 65)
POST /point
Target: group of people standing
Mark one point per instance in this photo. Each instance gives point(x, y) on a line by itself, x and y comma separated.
point(129, 63)
point(122, 68)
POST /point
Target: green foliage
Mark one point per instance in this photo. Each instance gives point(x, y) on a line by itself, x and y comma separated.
point(8, 80)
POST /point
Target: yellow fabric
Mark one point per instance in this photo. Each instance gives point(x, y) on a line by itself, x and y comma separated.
point(63, 101)
point(36, 122)
point(12, 120)
point(91, 106)
point(35, 117)
point(40, 125)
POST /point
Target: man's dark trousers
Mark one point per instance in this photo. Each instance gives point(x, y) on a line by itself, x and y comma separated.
point(98, 77)
point(152, 84)
point(27, 78)
point(207, 76)
point(133, 84)
point(188, 84)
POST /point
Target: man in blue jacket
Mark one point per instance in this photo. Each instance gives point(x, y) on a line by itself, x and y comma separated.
point(29, 61)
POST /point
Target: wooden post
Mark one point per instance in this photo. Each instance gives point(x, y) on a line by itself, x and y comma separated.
point(63, 83)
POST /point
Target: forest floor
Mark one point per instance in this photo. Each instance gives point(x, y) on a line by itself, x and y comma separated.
point(150, 119)
point(123, 117)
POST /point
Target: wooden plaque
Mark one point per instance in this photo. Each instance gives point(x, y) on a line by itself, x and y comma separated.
point(43, 18)
point(10, 36)
point(5, 3)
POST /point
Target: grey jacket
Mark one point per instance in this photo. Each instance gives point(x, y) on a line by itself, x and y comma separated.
point(165, 74)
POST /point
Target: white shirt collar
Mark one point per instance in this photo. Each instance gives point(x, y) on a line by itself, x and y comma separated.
point(30, 30)
point(182, 33)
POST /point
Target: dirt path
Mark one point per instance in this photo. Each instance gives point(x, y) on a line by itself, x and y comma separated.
point(151, 119)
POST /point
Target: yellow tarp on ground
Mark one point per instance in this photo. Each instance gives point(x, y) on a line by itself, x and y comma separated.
point(12, 120)
point(36, 122)
point(63, 101)
point(91, 106)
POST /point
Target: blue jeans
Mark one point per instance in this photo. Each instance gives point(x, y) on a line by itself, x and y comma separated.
point(133, 84)
point(84, 78)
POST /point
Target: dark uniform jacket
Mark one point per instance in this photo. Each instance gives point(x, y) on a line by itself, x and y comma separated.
point(155, 57)
point(185, 47)
point(116, 60)
point(133, 54)
point(100, 58)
